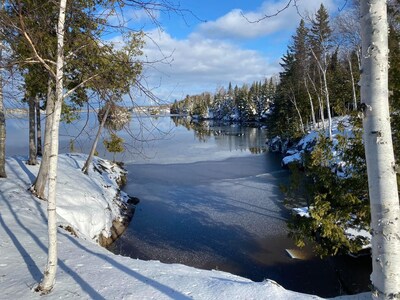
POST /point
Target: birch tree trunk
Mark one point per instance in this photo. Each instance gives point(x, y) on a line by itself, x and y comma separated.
point(292, 99)
point(320, 104)
point(48, 281)
point(38, 128)
point(383, 193)
point(2, 114)
point(38, 187)
point(353, 84)
point(328, 104)
point(325, 91)
point(314, 122)
point(85, 168)
point(32, 132)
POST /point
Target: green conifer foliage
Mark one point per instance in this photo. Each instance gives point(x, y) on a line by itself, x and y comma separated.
point(337, 199)
point(115, 144)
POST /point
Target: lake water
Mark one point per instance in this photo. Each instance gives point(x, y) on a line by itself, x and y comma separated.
point(210, 198)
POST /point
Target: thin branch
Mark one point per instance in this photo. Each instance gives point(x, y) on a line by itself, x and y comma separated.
point(30, 42)
point(267, 16)
point(79, 85)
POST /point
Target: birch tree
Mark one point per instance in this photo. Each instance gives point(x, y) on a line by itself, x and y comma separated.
point(2, 112)
point(383, 192)
point(38, 187)
point(47, 283)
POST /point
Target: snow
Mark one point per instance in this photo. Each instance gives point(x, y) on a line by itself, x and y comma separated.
point(352, 232)
point(301, 211)
point(86, 270)
point(306, 144)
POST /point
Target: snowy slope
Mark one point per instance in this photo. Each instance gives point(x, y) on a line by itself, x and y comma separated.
point(86, 270)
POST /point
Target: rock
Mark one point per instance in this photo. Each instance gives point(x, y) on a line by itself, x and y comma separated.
point(133, 200)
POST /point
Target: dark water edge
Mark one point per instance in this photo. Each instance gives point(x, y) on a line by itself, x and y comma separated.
point(182, 219)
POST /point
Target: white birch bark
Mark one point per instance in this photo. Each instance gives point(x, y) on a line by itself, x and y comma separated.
point(48, 281)
point(292, 99)
point(320, 103)
point(38, 188)
point(383, 193)
point(2, 114)
point(314, 122)
point(353, 84)
point(323, 70)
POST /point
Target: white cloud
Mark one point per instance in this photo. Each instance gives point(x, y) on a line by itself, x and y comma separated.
point(195, 65)
point(210, 57)
point(235, 24)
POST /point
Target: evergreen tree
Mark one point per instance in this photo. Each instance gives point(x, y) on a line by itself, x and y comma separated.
point(335, 202)
point(115, 144)
point(339, 84)
point(320, 39)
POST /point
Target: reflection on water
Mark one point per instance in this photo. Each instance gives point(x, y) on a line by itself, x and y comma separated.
point(236, 136)
point(158, 139)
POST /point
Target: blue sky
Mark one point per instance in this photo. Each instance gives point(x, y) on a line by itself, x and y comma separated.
point(216, 45)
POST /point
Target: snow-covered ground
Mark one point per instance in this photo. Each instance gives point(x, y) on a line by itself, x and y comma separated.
point(86, 270)
point(308, 141)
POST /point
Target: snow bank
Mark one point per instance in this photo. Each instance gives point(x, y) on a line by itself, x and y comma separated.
point(85, 270)
point(307, 143)
point(93, 206)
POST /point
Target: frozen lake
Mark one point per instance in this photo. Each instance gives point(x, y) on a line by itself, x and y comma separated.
point(210, 198)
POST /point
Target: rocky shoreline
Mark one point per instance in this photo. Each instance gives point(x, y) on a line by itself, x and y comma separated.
point(125, 203)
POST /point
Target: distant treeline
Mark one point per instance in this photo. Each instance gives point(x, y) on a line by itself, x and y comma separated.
point(236, 104)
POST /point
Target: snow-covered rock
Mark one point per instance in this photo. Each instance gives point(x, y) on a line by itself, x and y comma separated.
point(91, 206)
point(308, 141)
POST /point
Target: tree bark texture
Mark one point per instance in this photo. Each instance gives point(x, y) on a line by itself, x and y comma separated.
point(32, 132)
point(48, 281)
point(314, 121)
point(39, 186)
point(85, 168)
point(38, 128)
point(383, 192)
point(2, 115)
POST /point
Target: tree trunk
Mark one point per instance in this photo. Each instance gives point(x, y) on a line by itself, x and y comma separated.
point(383, 193)
point(32, 132)
point(292, 99)
point(38, 187)
point(320, 104)
point(2, 114)
point(328, 104)
point(48, 281)
point(325, 91)
point(38, 128)
point(314, 122)
point(353, 84)
point(85, 168)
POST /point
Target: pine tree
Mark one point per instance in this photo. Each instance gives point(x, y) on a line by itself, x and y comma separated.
point(320, 39)
point(115, 145)
point(335, 202)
